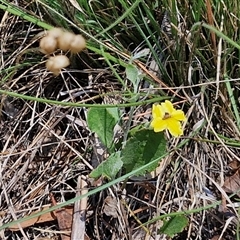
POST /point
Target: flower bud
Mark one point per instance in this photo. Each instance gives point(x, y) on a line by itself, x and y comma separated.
point(78, 44)
point(48, 44)
point(56, 63)
point(55, 32)
point(64, 41)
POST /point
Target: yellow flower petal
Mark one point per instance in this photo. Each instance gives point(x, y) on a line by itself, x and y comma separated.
point(168, 107)
point(158, 125)
point(179, 115)
point(157, 111)
point(174, 127)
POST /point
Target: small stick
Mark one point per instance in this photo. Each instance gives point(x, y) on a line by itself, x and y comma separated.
point(79, 213)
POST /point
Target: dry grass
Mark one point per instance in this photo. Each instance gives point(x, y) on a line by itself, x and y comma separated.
point(44, 148)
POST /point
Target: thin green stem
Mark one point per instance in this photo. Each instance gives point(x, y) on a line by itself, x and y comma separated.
point(126, 13)
point(233, 101)
point(73, 200)
point(70, 104)
point(187, 212)
point(220, 34)
point(18, 12)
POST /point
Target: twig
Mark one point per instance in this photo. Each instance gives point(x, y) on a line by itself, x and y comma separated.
point(79, 214)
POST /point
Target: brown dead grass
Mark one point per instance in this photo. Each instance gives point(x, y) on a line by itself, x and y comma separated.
point(45, 148)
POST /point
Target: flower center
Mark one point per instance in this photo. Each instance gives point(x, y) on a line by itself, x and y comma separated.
point(166, 116)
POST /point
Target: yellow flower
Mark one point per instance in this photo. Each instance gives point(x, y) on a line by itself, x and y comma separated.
point(165, 116)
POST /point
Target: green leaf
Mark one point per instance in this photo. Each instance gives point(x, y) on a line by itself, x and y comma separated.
point(174, 225)
point(143, 147)
point(102, 121)
point(143, 53)
point(109, 168)
point(132, 74)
